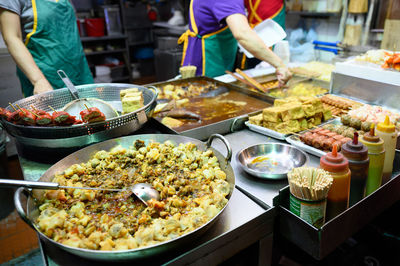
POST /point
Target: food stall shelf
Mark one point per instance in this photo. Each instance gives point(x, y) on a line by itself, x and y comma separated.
point(320, 242)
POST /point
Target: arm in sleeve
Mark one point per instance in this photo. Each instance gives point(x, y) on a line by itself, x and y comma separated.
point(224, 8)
point(245, 35)
point(10, 27)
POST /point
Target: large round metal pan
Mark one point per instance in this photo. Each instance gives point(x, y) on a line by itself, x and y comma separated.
point(31, 213)
point(78, 135)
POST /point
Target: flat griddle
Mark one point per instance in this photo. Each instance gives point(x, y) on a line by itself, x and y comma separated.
point(219, 114)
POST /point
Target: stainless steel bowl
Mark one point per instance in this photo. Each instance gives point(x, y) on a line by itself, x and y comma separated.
point(271, 160)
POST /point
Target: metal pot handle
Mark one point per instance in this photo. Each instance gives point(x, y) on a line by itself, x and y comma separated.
point(226, 143)
point(18, 205)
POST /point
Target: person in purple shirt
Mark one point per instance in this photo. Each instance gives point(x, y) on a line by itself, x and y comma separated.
point(210, 43)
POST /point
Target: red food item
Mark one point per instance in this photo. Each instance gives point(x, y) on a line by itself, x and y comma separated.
point(304, 136)
point(100, 118)
point(70, 121)
point(40, 112)
point(4, 113)
point(90, 113)
point(27, 117)
point(338, 137)
point(78, 121)
point(60, 117)
point(331, 134)
point(14, 117)
point(327, 143)
point(317, 142)
point(324, 132)
point(345, 140)
point(44, 120)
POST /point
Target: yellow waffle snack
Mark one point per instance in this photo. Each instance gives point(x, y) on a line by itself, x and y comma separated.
point(272, 114)
point(122, 93)
point(292, 111)
point(293, 126)
point(256, 119)
point(309, 109)
point(326, 114)
point(303, 124)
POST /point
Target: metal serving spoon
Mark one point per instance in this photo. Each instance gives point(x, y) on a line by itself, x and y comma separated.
point(142, 191)
point(78, 104)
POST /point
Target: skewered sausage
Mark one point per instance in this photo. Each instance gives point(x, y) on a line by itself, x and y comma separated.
point(327, 143)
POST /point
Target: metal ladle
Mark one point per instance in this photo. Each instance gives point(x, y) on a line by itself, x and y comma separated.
point(142, 191)
point(76, 106)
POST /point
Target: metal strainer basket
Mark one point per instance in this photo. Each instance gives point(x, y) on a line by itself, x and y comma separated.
point(83, 134)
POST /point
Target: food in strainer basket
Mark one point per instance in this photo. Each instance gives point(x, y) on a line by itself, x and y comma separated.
point(193, 189)
point(131, 99)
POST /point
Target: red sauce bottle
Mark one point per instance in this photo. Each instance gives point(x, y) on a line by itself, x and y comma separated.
point(357, 155)
point(338, 197)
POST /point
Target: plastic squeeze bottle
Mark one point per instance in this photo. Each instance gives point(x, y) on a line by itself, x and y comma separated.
point(376, 154)
point(387, 132)
point(357, 155)
point(338, 196)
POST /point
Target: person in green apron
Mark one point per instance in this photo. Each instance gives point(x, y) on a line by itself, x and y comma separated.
point(42, 36)
point(210, 43)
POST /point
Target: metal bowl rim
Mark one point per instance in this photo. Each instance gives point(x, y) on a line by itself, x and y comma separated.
point(199, 144)
point(272, 176)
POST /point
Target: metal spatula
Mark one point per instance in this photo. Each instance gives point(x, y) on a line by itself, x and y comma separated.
point(76, 106)
point(141, 190)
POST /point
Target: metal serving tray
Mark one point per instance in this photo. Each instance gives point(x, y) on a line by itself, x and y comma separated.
point(293, 82)
point(224, 125)
point(320, 242)
point(266, 131)
point(295, 141)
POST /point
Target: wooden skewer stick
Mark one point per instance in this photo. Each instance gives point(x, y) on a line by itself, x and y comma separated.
point(19, 107)
point(240, 79)
point(86, 106)
point(33, 113)
point(53, 109)
point(12, 106)
point(251, 80)
point(294, 133)
point(33, 108)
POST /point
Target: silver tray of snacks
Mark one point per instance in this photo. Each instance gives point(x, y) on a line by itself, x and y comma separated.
point(289, 116)
point(320, 140)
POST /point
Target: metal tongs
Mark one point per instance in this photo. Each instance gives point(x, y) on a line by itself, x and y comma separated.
point(142, 191)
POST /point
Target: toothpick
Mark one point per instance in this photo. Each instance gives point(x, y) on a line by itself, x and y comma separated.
point(33, 113)
point(53, 109)
point(20, 109)
point(12, 106)
point(86, 106)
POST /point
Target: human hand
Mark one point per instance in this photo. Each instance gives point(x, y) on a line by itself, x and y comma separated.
point(41, 85)
point(283, 74)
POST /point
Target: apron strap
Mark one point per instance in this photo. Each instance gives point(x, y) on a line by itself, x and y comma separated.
point(184, 38)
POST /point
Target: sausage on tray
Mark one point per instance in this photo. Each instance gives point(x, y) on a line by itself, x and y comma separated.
point(327, 143)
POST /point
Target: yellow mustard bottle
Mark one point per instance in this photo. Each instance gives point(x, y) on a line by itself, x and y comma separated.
point(387, 132)
point(376, 154)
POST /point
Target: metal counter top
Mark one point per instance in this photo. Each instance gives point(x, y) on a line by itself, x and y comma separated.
point(261, 190)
